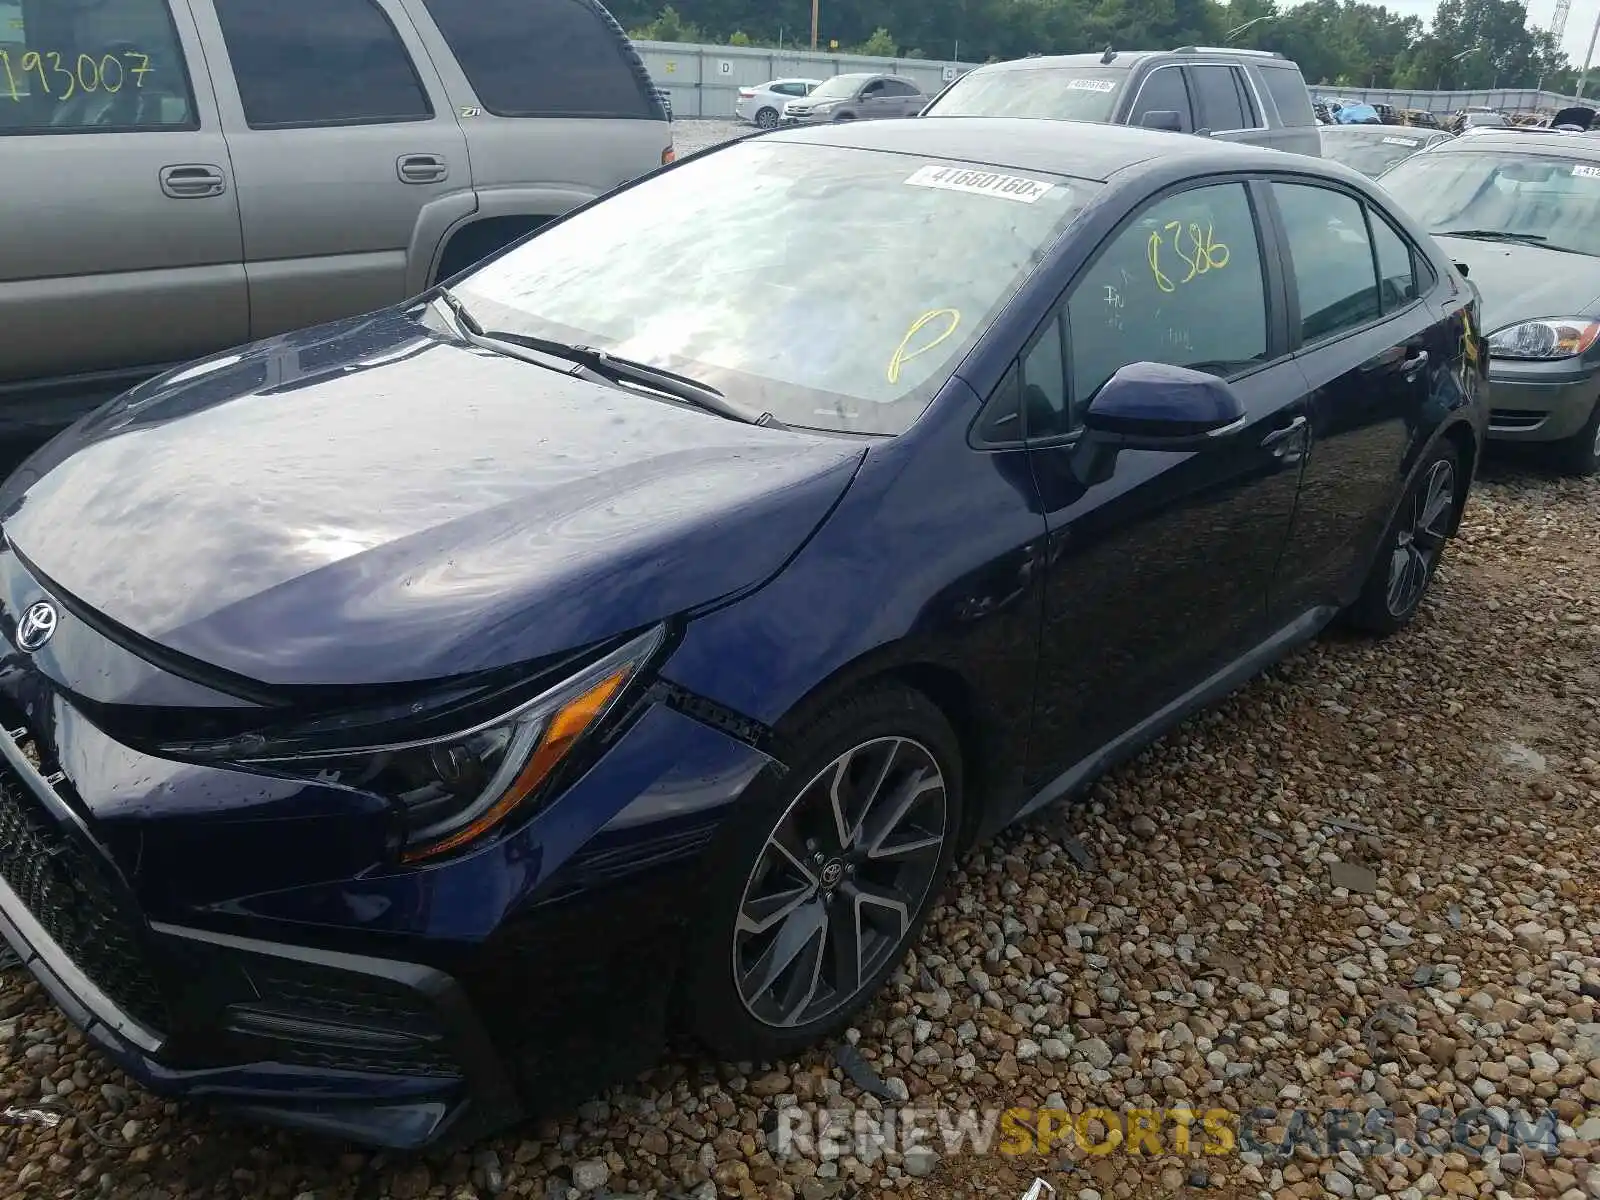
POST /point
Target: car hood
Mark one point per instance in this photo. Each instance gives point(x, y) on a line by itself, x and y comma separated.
point(372, 502)
point(1520, 283)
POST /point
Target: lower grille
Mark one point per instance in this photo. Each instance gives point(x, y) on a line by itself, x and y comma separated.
point(68, 893)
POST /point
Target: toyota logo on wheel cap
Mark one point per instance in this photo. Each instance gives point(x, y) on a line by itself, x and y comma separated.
point(38, 625)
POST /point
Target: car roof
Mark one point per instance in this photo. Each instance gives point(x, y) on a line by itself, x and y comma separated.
point(1547, 141)
point(1080, 149)
point(1130, 58)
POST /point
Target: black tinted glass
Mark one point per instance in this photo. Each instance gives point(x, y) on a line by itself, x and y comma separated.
point(1218, 97)
point(1332, 255)
point(1163, 91)
point(319, 62)
point(534, 58)
point(1397, 275)
point(1287, 87)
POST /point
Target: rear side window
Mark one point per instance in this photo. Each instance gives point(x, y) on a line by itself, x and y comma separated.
point(544, 58)
point(319, 62)
point(1287, 87)
point(1221, 99)
point(91, 68)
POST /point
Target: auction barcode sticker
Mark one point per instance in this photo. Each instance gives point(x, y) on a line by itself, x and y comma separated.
point(1584, 171)
point(981, 183)
point(1394, 141)
point(1091, 85)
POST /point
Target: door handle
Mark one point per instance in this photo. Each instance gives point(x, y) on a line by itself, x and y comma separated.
point(421, 168)
point(1290, 432)
point(193, 181)
point(1415, 363)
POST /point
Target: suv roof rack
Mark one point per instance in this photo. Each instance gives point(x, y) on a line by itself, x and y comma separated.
point(1227, 50)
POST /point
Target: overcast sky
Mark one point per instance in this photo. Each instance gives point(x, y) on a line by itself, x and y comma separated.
point(1580, 21)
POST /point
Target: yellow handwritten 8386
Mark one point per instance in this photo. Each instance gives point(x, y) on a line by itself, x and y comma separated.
point(1203, 253)
point(63, 79)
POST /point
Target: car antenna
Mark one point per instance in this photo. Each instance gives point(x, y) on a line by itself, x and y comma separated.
point(1108, 55)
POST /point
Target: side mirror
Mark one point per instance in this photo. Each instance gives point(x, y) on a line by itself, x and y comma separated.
point(1153, 406)
point(1162, 118)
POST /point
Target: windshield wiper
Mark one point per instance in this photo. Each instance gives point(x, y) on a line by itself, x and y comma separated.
point(1495, 235)
point(601, 366)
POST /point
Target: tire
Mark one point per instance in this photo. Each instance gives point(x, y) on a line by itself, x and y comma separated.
point(1579, 454)
point(843, 117)
point(759, 896)
point(767, 118)
point(1412, 545)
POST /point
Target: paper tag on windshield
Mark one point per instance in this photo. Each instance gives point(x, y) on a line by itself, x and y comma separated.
point(1091, 85)
point(981, 183)
point(1394, 141)
point(1583, 171)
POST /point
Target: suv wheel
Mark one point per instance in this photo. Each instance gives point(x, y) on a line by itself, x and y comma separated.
point(816, 889)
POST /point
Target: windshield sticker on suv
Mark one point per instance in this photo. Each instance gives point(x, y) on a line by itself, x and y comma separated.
point(1394, 141)
point(1091, 85)
point(1584, 171)
point(981, 183)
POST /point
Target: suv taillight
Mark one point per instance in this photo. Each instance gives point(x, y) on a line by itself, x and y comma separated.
point(670, 154)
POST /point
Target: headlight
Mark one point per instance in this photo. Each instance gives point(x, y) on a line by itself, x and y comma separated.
point(826, 105)
point(453, 789)
point(1550, 337)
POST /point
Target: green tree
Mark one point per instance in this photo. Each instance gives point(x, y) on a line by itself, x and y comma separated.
point(879, 45)
point(738, 38)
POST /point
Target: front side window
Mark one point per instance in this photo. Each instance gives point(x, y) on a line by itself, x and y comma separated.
point(1222, 103)
point(750, 238)
point(528, 58)
point(1181, 285)
point(1332, 257)
point(86, 68)
point(319, 62)
point(1163, 90)
point(1540, 199)
point(1056, 93)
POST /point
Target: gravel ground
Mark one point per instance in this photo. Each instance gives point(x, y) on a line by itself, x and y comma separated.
point(1360, 882)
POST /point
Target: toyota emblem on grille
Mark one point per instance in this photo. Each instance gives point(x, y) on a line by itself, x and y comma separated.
point(37, 626)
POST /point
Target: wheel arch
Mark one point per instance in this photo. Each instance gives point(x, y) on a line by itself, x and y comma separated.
point(979, 733)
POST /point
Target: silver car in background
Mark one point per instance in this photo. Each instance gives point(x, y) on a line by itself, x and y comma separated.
point(856, 97)
point(763, 104)
point(198, 174)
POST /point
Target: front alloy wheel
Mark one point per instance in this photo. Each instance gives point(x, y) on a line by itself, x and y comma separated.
point(833, 892)
point(820, 879)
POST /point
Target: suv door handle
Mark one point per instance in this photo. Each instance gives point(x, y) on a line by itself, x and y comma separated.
point(421, 168)
point(193, 181)
point(1415, 363)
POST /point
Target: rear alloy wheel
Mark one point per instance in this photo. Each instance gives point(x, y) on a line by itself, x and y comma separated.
point(767, 118)
point(827, 881)
point(1405, 566)
point(1580, 454)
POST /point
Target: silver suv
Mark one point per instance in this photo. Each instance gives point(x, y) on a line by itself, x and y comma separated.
point(1249, 96)
point(856, 97)
point(182, 176)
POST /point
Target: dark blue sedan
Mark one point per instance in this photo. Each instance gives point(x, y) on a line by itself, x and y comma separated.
point(411, 722)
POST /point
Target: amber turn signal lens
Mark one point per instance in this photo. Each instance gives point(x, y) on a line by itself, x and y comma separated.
point(565, 727)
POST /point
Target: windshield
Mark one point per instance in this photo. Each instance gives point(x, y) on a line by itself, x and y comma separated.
point(834, 288)
point(1370, 151)
point(1056, 93)
point(1476, 119)
point(1540, 196)
point(840, 87)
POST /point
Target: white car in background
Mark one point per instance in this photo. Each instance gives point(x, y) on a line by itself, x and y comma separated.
point(762, 105)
